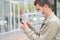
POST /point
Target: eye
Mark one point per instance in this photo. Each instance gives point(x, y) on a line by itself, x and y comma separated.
point(38, 9)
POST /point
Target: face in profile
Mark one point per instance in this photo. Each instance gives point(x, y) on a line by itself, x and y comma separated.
point(39, 8)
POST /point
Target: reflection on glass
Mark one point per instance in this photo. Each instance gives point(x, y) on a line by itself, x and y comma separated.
point(15, 16)
point(12, 15)
point(6, 15)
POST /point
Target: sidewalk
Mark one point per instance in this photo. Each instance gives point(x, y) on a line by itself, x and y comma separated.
point(18, 35)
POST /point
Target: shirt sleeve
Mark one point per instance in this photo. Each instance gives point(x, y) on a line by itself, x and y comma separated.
point(31, 34)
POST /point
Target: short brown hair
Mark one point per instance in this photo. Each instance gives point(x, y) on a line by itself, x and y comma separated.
point(42, 3)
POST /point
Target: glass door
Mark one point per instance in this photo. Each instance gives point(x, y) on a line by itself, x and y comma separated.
point(9, 16)
point(15, 15)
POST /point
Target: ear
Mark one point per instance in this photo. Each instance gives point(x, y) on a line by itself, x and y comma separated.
point(45, 7)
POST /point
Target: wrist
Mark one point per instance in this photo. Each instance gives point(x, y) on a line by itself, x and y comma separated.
point(27, 30)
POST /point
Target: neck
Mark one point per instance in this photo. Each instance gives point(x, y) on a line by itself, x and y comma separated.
point(48, 13)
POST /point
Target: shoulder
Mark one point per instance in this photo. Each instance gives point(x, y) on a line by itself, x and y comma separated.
point(55, 20)
point(51, 26)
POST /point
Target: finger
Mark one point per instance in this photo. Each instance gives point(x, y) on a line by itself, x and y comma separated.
point(28, 23)
point(21, 24)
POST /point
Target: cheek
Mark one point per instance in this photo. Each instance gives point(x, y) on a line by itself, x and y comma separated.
point(41, 10)
point(44, 10)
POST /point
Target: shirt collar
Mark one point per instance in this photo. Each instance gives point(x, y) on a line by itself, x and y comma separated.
point(49, 18)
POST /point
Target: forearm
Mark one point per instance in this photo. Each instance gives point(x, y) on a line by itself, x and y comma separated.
point(31, 34)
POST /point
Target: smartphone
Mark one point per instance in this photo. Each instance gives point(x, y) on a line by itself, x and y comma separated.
point(21, 20)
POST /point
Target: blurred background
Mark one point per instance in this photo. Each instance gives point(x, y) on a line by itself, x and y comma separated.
point(12, 10)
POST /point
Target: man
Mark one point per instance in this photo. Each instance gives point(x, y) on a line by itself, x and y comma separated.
point(50, 29)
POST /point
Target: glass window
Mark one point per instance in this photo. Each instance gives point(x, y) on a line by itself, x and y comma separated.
point(6, 15)
point(2, 21)
point(27, 6)
point(59, 0)
point(1, 8)
point(58, 8)
point(0, 14)
point(0, 0)
point(9, 16)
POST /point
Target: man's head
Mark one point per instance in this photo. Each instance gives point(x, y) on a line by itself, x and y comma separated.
point(43, 6)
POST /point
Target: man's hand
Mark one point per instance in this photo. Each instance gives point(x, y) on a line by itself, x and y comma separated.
point(23, 26)
point(29, 24)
